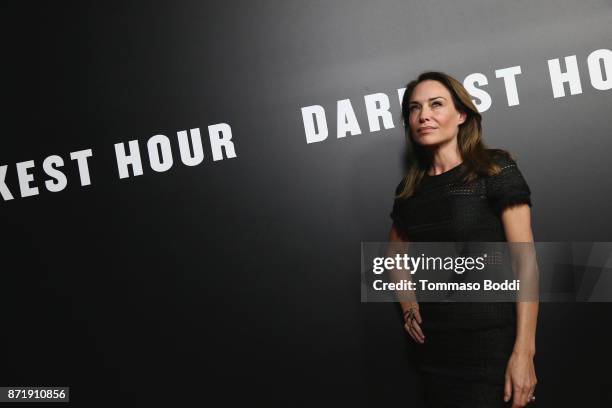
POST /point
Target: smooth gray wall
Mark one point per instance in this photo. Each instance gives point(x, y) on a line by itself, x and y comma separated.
point(239, 278)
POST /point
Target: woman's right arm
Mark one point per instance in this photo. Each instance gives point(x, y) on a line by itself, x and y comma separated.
point(398, 244)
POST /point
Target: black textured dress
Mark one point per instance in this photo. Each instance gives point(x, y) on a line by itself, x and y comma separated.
point(467, 345)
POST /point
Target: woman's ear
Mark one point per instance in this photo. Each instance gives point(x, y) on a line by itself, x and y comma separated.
point(462, 117)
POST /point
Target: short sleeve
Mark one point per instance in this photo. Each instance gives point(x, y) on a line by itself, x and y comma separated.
point(396, 204)
point(508, 187)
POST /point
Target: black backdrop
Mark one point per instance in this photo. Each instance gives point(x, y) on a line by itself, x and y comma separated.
point(238, 279)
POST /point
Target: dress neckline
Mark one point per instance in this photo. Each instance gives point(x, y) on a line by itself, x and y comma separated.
point(447, 172)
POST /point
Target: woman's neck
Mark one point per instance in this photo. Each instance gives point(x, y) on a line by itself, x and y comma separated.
point(444, 159)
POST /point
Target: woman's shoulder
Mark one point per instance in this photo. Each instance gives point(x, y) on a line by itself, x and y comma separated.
point(501, 158)
point(504, 165)
point(400, 186)
point(507, 186)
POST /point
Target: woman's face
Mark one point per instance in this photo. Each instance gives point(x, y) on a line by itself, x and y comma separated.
point(433, 118)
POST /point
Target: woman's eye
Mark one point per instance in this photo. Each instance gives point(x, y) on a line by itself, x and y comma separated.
point(412, 108)
point(436, 103)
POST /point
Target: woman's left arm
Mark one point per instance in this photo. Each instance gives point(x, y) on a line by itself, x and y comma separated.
point(520, 373)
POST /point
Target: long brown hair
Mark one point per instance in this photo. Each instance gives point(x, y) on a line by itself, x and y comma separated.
point(477, 158)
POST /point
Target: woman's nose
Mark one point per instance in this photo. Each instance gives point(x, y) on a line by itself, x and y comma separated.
point(423, 114)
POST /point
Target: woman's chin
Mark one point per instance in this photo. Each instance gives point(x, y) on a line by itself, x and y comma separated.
point(426, 141)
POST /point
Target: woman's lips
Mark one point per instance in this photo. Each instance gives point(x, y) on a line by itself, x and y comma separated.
point(426, 130)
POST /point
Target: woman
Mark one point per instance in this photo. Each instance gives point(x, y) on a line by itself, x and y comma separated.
point(470, 354)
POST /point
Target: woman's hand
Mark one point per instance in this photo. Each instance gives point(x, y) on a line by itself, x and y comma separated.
point(412, 322)
point(520, 379)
